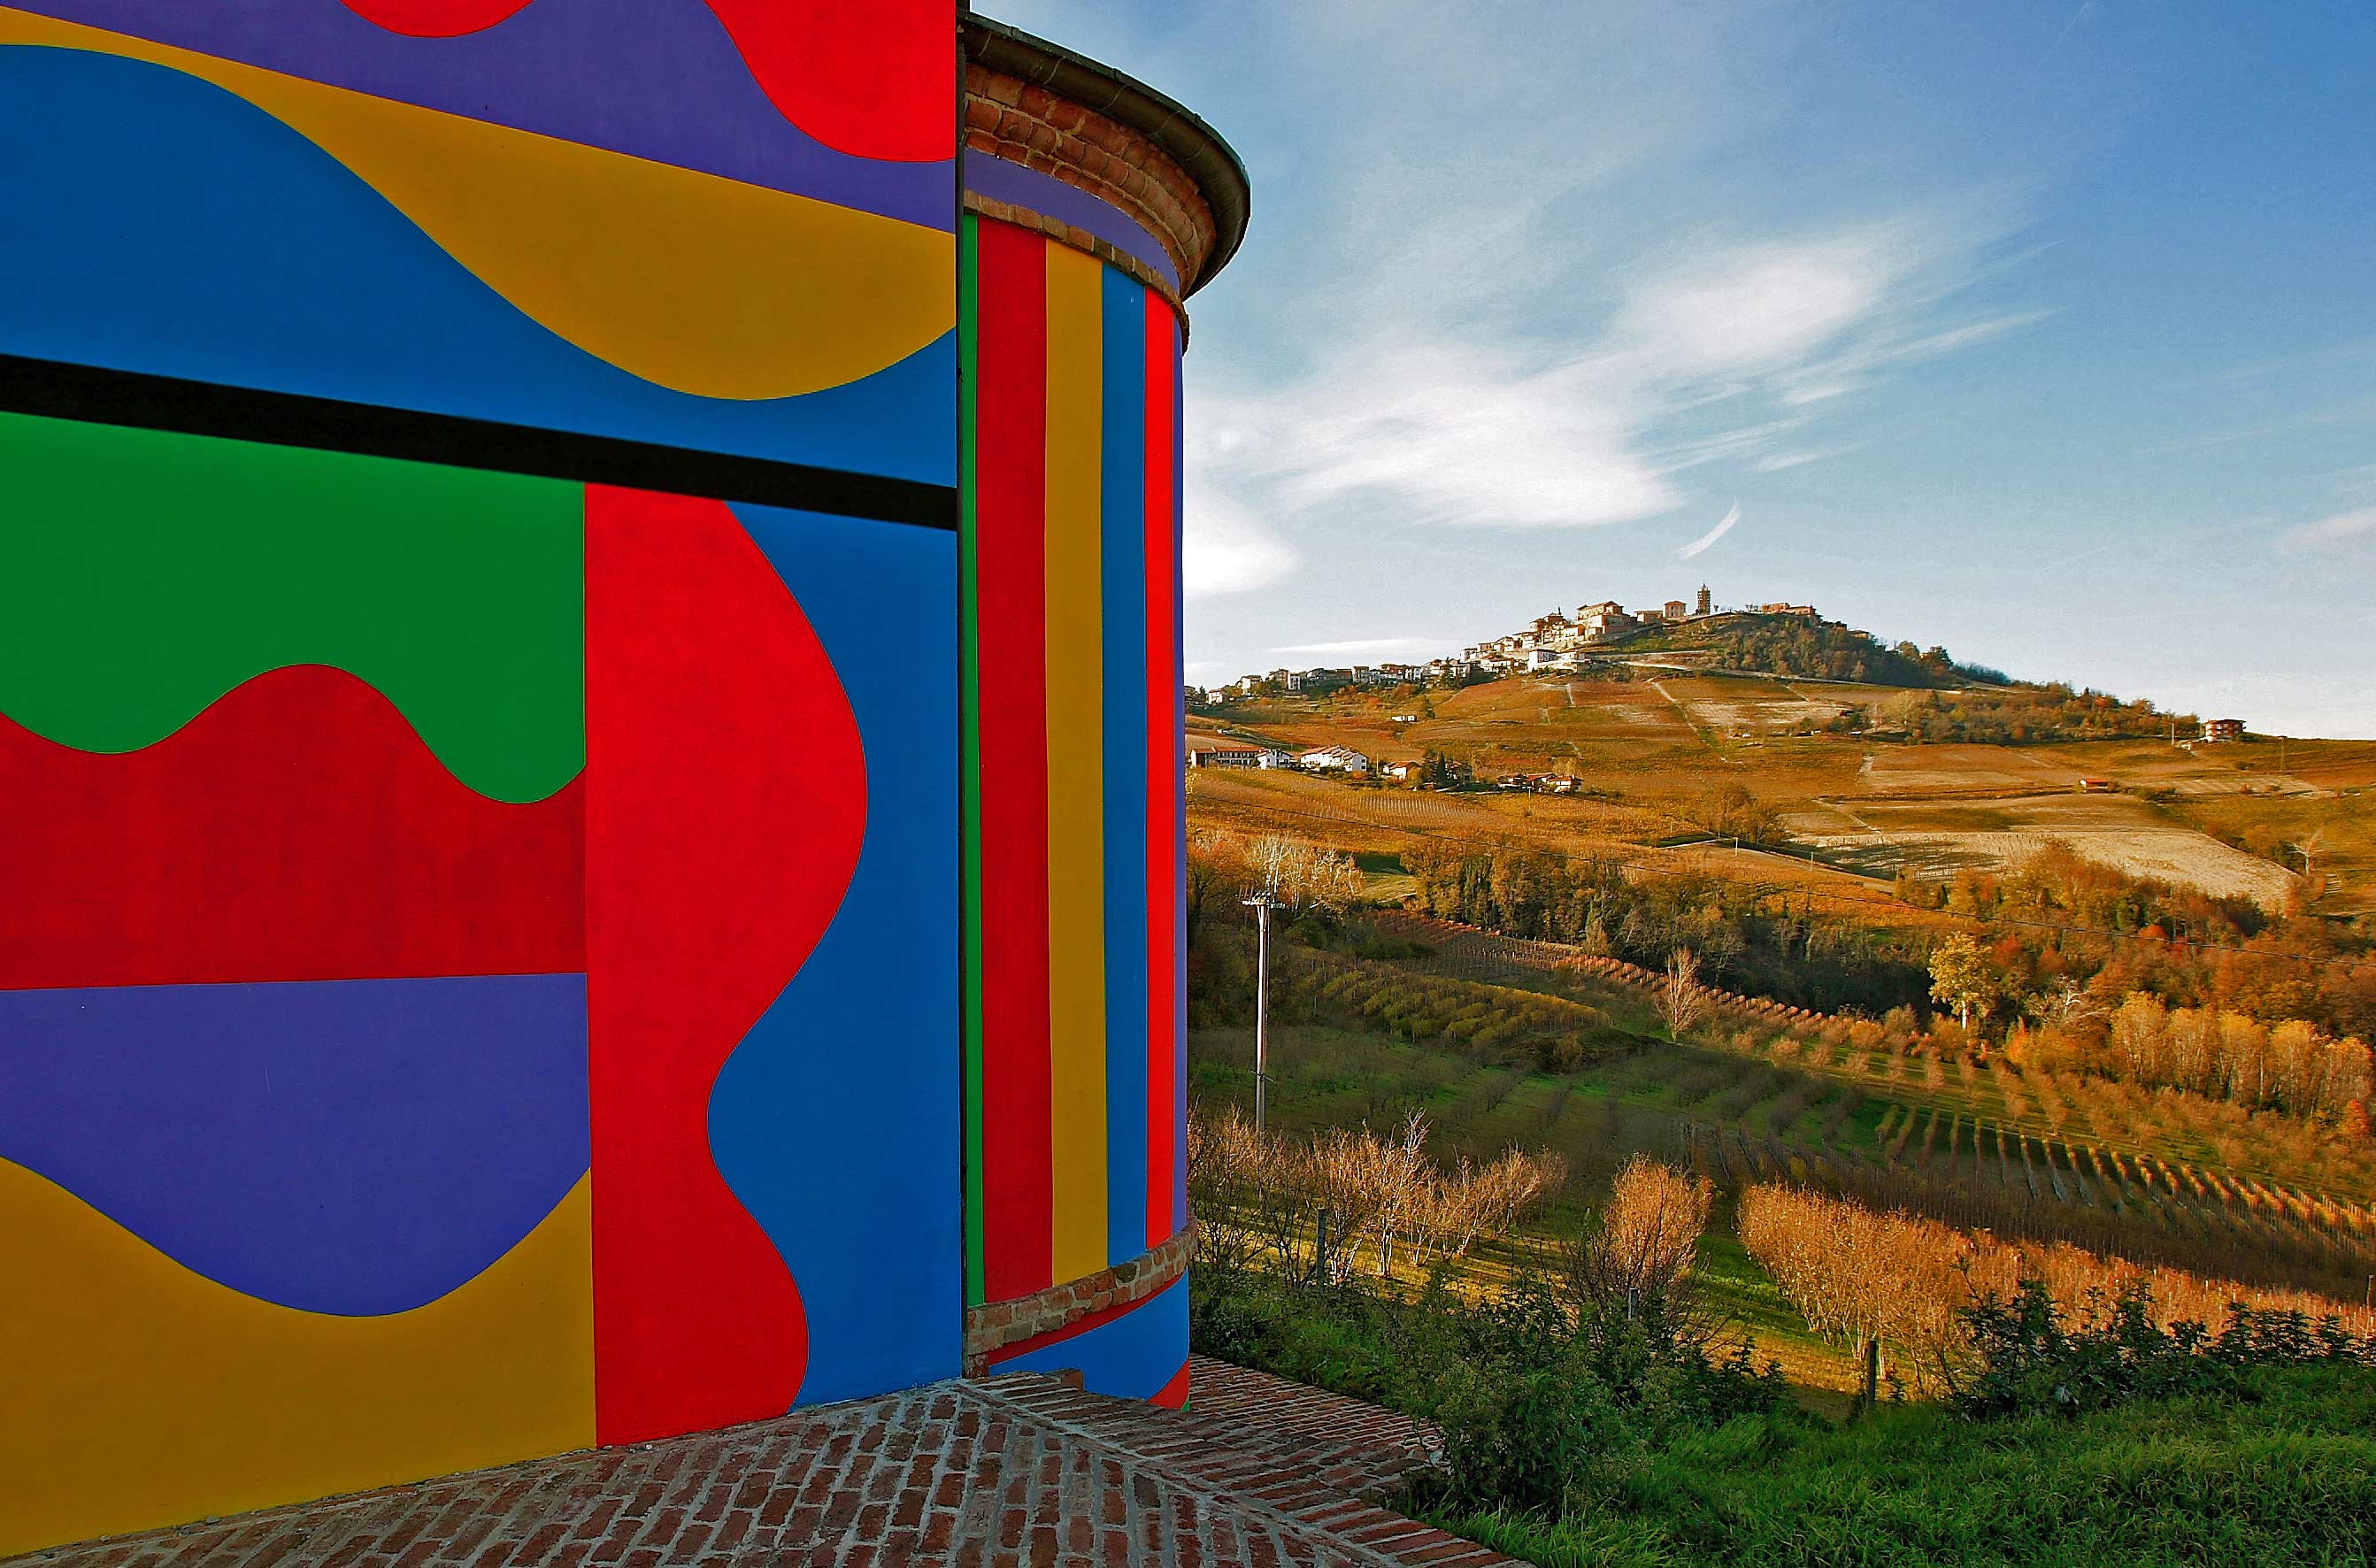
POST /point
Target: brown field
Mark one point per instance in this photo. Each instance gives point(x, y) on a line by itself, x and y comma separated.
point(1650, 753)
point(1938, 838)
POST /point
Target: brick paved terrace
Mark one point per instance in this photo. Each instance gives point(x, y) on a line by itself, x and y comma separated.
point(1006, 1470)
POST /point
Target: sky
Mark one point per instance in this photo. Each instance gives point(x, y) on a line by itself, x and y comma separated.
point(2043, 331)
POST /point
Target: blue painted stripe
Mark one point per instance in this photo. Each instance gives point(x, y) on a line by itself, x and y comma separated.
point(835, 1121)
point(349, 1146)
point(1130, 1357)
point(1123, 509)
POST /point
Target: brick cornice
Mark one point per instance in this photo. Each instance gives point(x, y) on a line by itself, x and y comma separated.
point(1081, 122)
point(995, 1325)
point(1019, 122)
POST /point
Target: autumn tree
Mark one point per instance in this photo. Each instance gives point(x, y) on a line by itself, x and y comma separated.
point(1682, 1002)
point(1963, 976)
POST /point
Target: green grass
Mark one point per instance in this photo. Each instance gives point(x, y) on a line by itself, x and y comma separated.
point(2284, 1476)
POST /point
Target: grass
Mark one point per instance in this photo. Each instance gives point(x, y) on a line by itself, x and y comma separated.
point(2284, 1476)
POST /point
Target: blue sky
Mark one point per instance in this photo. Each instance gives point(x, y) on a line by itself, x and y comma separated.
point(2045, 332)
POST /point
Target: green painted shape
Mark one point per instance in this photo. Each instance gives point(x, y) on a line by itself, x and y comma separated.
point(144, 574)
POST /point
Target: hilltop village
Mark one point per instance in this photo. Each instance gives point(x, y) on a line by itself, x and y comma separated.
point(1554, 642)
point(1865, 688)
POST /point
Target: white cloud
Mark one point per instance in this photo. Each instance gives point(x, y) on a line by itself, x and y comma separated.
point(1366, 644)
point(1453, 433)
point(2357, 523)
point(1700, 544)
point(1225, 550)
point(1776, 462)
point(1436, 416)
point(1761, 306)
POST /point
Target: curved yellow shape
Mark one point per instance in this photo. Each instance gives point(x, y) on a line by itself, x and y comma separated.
point(698, 283)
point(138, 1393)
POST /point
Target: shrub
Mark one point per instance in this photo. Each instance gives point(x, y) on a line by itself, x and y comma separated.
point(2030, 1353)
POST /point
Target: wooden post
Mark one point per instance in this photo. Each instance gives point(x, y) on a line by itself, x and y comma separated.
point(1871, 1395)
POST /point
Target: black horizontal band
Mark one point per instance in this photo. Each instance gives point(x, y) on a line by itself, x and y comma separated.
point(200, 408)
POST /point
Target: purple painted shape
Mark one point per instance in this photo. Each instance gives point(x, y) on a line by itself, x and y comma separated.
point(988, 175)
point(658, 79)
point(349, 1146)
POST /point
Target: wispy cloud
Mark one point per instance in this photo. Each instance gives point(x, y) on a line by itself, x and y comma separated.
point(1437, 418)
point(1366, 644)
point(1699, 545)
point(1776, 462)
point(1225, 549)
point(2357, 523)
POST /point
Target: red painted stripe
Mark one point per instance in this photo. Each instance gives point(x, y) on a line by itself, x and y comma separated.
point(726, 802)
point(295, 830)
point(1163, 759)
point(1173, 1395)
point(1010, 481)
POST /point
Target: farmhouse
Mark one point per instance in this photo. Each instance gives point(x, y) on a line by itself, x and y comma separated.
point(2223, 730)
point(1335, 759)
point(1224, 755)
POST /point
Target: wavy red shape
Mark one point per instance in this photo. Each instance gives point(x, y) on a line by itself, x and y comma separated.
point(434, 19)
point(875, 80)
point(723, 827)
point(297, 829)
point(878, 80)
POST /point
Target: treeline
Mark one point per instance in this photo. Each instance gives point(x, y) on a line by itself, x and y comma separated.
point(2013, 716)
point(1789, 645)
point(1857, 1273)
point(2292, 1066)
point(1792, 955)
point(2053, 961)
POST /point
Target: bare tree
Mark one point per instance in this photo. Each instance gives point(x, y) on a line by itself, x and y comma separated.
point(1645, 1247)
point(1681, 1001)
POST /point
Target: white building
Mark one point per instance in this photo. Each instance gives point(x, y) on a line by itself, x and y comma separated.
point(1334, 759)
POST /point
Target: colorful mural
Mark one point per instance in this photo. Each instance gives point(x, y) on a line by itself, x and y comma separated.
point(471, 921)
point(511, 944)
point(1078, 1025)
point(308, 198)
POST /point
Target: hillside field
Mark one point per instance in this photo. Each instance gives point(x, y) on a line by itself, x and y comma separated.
point(1657, 756)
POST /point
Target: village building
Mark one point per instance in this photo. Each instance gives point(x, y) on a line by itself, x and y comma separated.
point(1334, 759)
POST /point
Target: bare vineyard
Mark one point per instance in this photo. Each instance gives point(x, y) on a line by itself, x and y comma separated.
point(1842, 1108)
point(1857, 1273)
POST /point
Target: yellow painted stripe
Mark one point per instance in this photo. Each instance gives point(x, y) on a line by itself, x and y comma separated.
point(1076, 956)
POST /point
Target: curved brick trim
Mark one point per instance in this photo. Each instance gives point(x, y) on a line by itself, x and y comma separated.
point(996, 1324)
point(1008, 118)
point(1081, 239)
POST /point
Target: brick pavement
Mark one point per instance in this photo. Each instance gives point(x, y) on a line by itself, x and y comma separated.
point(1007, 1470)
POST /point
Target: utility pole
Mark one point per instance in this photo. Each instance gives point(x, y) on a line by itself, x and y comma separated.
point(1262, 904)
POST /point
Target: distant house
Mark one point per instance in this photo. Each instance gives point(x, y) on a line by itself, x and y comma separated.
point(1224, 755)
point(1277, 759)
point(1334, 759)
point(1677, 609)
point(1405, 718)
point(1550, 659)
point(1400, 772)
point(2096, 786)
point(2223, 730)
point(1805, 612)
